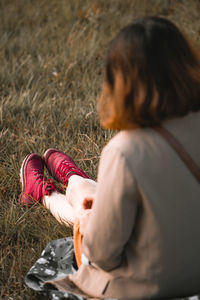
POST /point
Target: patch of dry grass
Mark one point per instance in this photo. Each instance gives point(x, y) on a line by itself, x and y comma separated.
point(51, 55)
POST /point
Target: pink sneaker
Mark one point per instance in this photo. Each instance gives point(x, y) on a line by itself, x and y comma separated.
point(61, 166)
point(34, 184)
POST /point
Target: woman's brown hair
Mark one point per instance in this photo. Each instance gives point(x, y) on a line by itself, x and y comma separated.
point(152, 73)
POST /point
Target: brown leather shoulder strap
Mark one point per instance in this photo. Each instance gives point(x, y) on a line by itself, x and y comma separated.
point(184, 155)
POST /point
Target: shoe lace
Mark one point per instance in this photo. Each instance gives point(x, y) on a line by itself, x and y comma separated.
point(65, 169)
point(38, 175)
point(48, 185)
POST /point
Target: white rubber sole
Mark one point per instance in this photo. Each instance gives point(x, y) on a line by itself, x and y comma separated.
point(23, 175)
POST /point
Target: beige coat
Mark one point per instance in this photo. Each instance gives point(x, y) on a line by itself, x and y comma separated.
point(143, 236)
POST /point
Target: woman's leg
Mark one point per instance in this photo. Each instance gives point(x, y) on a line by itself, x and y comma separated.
point(79, 191)
point(60, 208)
point(80, 188)
point(70, 207)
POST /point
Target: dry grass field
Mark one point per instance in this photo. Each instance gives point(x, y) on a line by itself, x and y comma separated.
point(51, 63)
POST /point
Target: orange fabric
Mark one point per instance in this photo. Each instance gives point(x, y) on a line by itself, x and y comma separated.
point(77, 236)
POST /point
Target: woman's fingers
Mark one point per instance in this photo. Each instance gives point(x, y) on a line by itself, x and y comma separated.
point(87, 203)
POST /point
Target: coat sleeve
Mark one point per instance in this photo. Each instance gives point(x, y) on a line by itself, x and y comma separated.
point(113, 213)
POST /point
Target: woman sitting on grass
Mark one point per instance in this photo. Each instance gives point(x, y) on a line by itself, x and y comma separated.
point(141, 237)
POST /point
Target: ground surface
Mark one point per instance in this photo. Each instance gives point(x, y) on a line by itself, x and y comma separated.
point(51, 55)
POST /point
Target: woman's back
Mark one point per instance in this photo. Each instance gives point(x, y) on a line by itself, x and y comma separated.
point(161, 257)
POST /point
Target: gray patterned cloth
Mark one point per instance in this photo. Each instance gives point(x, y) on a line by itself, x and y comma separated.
point(58, 260)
